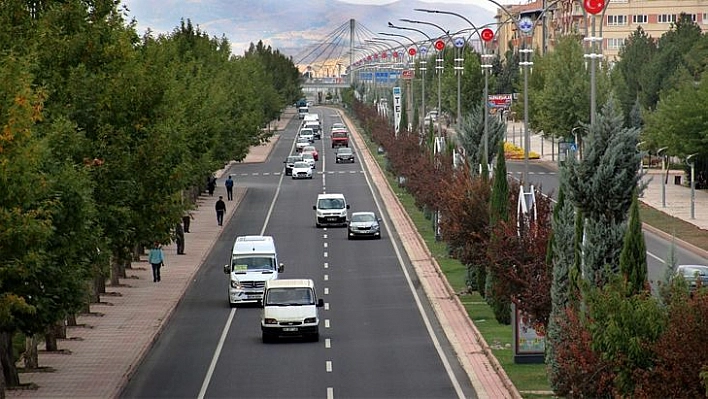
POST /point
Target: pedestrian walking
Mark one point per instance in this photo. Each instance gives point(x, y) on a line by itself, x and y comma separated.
point(157, 260)
point(186, 220)
point(220, 210)
point(211, 184)
point(179, 239)
point(229, 184)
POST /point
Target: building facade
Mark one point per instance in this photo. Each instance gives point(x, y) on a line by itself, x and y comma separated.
point(619, 19)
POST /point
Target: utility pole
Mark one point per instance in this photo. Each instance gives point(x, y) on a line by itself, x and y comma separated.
point(352, 26)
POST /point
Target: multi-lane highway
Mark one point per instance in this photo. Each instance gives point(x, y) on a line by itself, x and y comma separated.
point(379, 338)
point(546, 177)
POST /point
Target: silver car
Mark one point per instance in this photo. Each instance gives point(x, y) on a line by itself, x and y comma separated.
point(364, 224)
point(692, 274)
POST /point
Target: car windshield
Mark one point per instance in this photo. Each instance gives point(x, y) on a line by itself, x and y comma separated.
point(692, 271)
point(309, 149)
point(294, 159)
point(253, 263)
point(290, 297)
point(308, 155)
point(344, 150)
point(338, 126)
point(330, 203)
point(302, 165)
point(363, 217)
point(306, 132)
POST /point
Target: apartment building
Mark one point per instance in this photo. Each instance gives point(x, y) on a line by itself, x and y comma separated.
point(619, 20)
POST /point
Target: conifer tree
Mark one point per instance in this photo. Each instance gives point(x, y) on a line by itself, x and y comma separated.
point(498, 213)
point(563, 258)
point(601, 186)
point(633, 259)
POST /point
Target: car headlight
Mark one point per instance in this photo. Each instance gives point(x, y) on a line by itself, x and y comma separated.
point(310, 320)
point(374, 227)
point(270, 321)
point(236, 284)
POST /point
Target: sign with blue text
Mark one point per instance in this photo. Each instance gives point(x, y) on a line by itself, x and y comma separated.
point(397, 108)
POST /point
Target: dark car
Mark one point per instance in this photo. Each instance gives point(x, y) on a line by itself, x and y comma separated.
point(289, 162)
point(364, 224)
point(345, 154)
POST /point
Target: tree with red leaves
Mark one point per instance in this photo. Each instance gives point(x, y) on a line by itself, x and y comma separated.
point(524, 276)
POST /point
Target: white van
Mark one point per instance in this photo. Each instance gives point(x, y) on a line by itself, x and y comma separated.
point(290, 310)
point(254, 261)
point(330, 209)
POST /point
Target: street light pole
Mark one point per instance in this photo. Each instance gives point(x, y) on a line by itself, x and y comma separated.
point(660, 153)
point(692, 164)
point(423, 68)
point(439, 66)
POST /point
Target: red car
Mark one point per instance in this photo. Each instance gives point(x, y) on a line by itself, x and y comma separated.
point(313, 150)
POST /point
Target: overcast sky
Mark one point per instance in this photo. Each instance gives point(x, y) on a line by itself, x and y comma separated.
point(482, 3)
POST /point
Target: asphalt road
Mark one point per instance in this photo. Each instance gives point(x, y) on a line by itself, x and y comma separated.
point(379, 338)
point(546, 178)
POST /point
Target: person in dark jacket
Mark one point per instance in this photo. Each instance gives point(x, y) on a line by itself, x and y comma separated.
point(179, 239)
point(211, 184)
point(229, 184)
point(220, 210)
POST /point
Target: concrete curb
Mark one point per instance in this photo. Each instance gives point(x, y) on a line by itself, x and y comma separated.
point(683, 244)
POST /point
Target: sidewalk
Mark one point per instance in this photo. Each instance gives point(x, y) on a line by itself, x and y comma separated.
point(99, 355)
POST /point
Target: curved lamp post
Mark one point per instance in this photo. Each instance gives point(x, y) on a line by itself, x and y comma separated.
point(438, 67)
point(423, 50)
point(488, 36)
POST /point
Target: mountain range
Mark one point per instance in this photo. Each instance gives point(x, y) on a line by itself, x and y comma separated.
point(299, 28)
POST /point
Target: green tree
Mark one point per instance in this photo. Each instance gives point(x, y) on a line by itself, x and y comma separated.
point(498, 214)
point(634, 57)
point(601, 187)
point(562, 259)
point(25, 223)
point(633, 258)
point(471, 136)
point(672, 48)
point(679, 120)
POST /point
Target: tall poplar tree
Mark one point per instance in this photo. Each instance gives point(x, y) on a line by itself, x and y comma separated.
point(498, 214)
point(633, 259)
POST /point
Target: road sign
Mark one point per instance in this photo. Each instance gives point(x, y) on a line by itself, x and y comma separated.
point(439, 45)
point(525, 25)
point(411, 51)
point(499, 100)
point(487, 34)
point(459, 42)
point(407, 74)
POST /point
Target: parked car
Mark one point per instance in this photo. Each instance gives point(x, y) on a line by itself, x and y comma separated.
point(313, 150)
point(309, 158)
point(692, 274)
point(289, 162)
point(344, 154)
point(302, 170)
point(364, 224)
